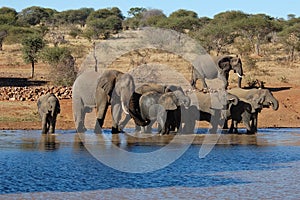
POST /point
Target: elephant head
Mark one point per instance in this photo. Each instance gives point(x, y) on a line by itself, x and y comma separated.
point(48, 108)
point(124, 88)
point(114, 88)
point(227, 63)
point(53, 105)
point(264, 98)
point(118, 86)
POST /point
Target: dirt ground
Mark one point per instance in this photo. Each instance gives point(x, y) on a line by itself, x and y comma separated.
point(284, 83)
point(286, 116)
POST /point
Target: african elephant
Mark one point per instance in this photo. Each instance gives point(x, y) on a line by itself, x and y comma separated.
point(245, 112)
point(158, 102)
point(113, 88)
point(257, 99)
point(217, 67)
point(84, 95)
point(48, 108)
point(210, 107)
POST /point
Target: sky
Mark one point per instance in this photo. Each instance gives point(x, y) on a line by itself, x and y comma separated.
point(204, 8)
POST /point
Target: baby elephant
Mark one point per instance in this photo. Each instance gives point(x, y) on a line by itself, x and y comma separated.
point(48, 108)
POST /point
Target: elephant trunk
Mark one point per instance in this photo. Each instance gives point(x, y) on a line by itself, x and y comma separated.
point(134, 110)
point(275, 104)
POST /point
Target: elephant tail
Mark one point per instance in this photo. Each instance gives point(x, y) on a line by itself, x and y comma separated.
point(134, 110)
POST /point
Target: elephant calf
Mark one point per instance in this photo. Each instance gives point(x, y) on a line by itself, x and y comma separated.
point(244, 112)
point(252, 101)
point(48, 108)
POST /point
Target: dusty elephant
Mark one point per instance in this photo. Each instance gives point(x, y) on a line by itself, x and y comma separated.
point(244, 112)
point(83, 97)
point(153, 102)
point(217, 67)
point(253, 101)
point(48, 108)
point(113, 88)
point(109, 86)
point(210, 107)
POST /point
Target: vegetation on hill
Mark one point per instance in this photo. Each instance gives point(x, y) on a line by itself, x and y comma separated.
point(230, 32)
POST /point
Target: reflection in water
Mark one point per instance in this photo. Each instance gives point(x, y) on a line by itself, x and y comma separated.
point(48, 142)
point(31, 162)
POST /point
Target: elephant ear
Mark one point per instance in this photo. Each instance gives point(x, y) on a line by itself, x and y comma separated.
point(168, 101)
point(256, 100)
point(224, 63)
point(107, 83)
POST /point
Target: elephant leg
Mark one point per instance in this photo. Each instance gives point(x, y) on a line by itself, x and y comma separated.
point(148, 128)
point(52, 124)
point(248, 127)
point(225, 126)
point(138, 129)
point(254, 122)
point(79, 115)
point(101, 112)
point(161, 119)
point(215, 121)
point(124, 122)
point(116, 112)
point(44, 124)
point(235, 126)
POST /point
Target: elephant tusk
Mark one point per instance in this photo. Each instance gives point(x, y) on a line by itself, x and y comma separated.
point(240, 76)
point(123, 108)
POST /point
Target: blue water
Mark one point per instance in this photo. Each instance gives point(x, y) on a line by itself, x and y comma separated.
point(29, 164)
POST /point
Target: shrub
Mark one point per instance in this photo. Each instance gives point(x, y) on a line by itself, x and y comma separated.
point(63, 65)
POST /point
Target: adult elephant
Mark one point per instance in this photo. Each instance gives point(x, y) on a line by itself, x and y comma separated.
point(83, 97)
point(217, 67)
point(84, 94)
point(113, 88)
point(210, 107)
point(153, 102)
point(48, 108)
point(257, 99)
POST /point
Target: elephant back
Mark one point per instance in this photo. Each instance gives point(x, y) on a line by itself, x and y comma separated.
point(84, 87)
point(150, 87)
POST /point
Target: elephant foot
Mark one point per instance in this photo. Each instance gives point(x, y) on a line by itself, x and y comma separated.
point(116, 130)
point(81, 129)
point(250, 132)
point(98, 129)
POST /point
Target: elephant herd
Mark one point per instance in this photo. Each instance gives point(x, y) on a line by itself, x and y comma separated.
point(174, 109)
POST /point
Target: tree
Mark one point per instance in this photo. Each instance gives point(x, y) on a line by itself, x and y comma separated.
point(256, 27)
point(290, 36)
point(8, 16)
point(183, 13)
point(220, 31)
point(182, 20)
point(136, 11)
point(134, 19)
point(103, 22)
point(73, 16)
point(3, 35)
point(33, 15)
point(31, 46)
